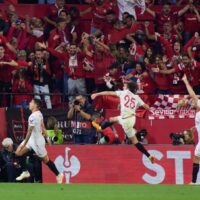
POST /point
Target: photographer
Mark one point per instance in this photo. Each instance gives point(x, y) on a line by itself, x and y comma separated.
point(187, 137)
point(80, 113)
point(54, 133)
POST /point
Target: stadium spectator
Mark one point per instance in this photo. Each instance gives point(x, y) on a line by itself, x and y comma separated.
point(74, 68)
point(80, 113)
point(166, 15)
point(41, 74)
point(22, 85)
point(5, 75)
point(54, 133)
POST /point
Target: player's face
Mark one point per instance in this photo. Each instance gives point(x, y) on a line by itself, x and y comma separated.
point(31, 105)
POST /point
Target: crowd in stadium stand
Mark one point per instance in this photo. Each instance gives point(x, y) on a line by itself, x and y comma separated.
point(53, 54)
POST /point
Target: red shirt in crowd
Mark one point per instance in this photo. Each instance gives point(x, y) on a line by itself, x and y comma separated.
point(161, 80)
point(147, 84)
point(161, 19)
point(191, 23)
point(6, 70)
point(99, 13)
point(22, 86)
point(73, 64)
point(192, 72)
point(102, 62)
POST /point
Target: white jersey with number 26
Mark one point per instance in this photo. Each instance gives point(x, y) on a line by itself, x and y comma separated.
point(129, 102)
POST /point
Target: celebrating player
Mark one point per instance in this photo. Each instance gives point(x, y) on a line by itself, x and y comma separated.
point(196, 104)
point(35, 141)
point(129, 102)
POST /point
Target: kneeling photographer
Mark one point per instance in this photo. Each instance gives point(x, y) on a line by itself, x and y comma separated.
point(80, 113)
point(186, 137)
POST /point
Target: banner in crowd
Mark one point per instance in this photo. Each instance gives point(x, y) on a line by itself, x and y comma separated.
point(171, 106)
point(17, 122)
point(121, 164)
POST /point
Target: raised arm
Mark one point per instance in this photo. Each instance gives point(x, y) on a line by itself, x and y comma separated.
point(106, 93)
point(151, 12)
point(189, 88)
point(62, 56)
point(183, 10)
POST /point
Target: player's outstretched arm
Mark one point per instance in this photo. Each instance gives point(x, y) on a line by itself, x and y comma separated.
point(106, 93)
point(28, 135)
point(189, 88)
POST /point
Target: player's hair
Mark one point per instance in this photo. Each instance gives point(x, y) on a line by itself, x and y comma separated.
point(37, 102)
point(132, 86)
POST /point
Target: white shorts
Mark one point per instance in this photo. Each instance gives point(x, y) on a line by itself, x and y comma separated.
point(197, 150)
point(39, 149)
point(128, 124)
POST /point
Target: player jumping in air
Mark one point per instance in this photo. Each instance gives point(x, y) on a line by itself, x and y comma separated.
point(196, 104)
point(129, 103)
point(35, 141)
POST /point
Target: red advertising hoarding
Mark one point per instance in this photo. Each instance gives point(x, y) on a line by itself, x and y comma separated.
point(121, 164)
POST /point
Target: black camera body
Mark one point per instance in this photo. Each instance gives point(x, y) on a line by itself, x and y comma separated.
point(76, 103)
point(141, 134)
point(176, 138)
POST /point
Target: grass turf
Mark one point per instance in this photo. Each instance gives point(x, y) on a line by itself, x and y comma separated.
point(98, 192)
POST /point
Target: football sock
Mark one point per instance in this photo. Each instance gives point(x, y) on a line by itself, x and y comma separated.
point(141, 148)
point(195, 172)
point(52, 167)
point(106, 124)
point(22, 162)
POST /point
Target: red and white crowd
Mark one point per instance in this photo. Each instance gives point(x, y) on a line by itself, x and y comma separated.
point(54, 54)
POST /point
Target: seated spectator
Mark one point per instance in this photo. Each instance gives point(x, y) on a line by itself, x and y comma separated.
point(10, 164)
point(54, 133)
point(80, 113)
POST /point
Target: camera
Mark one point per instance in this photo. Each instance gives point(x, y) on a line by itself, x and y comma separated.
point(141, 134)
point(54, 139)
point(176, 138)
point(76, 103)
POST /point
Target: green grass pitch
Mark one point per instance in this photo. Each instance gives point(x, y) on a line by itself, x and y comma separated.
point(98, 192)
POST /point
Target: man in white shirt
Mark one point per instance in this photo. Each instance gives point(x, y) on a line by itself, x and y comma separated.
point(35, 141)
point(196, 105)
point(129, 102)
